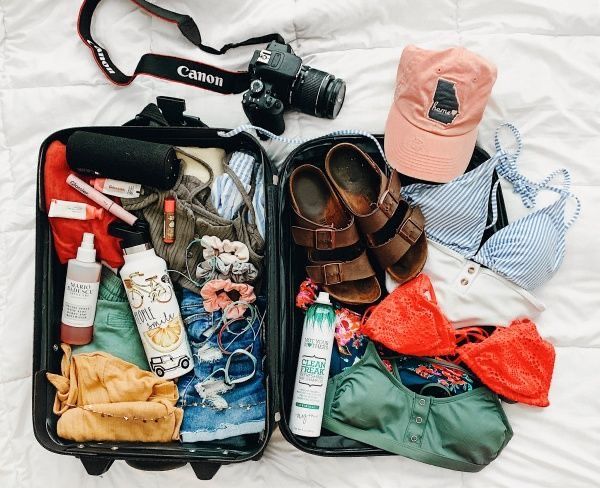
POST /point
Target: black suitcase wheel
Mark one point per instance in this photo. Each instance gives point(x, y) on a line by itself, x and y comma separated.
point(96, 466)
point(205, 471)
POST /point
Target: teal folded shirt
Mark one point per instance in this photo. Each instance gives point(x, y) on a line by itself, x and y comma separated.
point(115, 330)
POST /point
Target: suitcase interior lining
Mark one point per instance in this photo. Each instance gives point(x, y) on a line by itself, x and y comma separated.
point(293, 259)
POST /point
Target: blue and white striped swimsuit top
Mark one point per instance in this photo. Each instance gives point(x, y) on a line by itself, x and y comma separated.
point(529, 250)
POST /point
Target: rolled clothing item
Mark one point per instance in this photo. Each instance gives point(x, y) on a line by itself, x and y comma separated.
point(115, 331)
point(102, 398)
point(195, 217)
point(67, 234)
point(133, 160)
point(226, 196)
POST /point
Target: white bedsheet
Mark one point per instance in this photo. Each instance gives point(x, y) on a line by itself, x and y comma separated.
point(547, 53)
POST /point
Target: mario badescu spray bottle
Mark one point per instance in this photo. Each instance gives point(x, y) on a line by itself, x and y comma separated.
point(81, 294)
point(312, 372)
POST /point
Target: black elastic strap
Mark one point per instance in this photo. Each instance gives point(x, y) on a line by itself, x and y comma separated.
point(171, 68)
point(150, 116)
point(190, 30)
point(166, 112)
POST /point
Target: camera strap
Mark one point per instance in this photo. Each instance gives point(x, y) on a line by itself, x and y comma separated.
point(171, 68)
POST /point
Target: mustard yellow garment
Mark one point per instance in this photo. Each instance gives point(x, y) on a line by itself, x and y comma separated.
point(103, 398)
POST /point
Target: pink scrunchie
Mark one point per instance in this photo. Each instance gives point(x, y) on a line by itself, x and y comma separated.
point(215, 295)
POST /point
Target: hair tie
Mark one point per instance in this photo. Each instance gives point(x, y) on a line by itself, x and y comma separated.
point(216, 295)
point(228, 251)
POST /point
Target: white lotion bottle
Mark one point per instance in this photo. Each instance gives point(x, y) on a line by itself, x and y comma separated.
point(81, 294)
point(153, 302)
point(312, 373)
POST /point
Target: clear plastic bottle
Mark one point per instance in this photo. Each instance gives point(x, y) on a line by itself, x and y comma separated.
point(312, 372)
point(81, 295)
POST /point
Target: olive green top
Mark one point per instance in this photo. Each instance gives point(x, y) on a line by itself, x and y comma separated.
point(195, 217)
point(368, 403)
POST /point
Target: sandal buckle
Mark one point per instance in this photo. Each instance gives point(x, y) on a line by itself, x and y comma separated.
point(388, 203)
point(324, 239)
point(410, 232)
point(332, 273)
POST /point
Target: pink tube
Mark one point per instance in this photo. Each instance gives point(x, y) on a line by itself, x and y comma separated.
point(102, 200)
point(74, 210)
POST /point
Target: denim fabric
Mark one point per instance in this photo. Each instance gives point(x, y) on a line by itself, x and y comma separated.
point(219, 404)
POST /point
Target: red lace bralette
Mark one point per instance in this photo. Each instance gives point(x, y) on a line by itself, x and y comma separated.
point(409, 321)
point(514, 361)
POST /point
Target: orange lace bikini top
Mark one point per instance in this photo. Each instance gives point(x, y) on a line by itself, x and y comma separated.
point(514, 361)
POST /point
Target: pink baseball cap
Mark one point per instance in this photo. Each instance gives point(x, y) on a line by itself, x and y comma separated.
point(439, 101)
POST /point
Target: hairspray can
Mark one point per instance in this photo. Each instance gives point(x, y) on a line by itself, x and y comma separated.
point(312, 372)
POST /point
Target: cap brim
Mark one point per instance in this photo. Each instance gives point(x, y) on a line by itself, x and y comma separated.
point(423, 155)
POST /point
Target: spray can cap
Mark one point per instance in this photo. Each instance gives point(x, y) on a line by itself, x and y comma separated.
point(323, 298)
point(86, 251)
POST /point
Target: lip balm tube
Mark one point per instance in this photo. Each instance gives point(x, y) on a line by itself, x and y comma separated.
point(102, 200)
point(74, 210)
point(169, 221)
point(117, 188)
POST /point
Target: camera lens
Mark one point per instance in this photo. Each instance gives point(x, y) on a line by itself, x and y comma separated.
point(318, 93)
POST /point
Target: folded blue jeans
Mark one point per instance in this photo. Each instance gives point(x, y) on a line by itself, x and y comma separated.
point(224, 395)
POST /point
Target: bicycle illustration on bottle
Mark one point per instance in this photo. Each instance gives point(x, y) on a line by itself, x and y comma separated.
point(157, 291)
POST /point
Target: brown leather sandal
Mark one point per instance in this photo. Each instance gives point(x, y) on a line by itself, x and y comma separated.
point(337, 262)
point(394, 230)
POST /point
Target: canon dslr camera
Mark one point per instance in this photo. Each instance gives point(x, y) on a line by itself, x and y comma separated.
point(279, 81)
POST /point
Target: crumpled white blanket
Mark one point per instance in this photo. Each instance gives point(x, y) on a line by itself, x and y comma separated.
point(548, 85)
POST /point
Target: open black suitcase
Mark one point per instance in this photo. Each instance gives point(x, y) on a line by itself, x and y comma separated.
point(284, 265)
